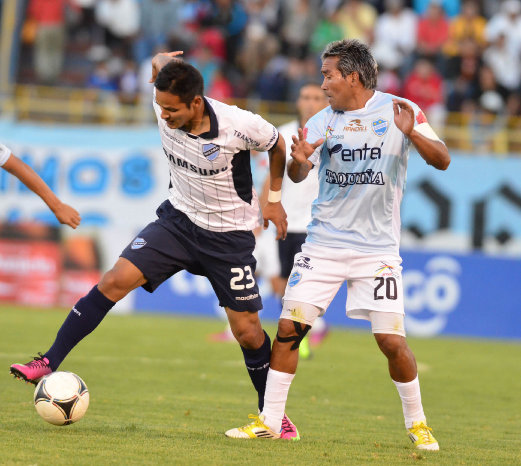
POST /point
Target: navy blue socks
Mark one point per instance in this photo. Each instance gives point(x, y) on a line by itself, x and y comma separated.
point(84, 317)
point(258, 363)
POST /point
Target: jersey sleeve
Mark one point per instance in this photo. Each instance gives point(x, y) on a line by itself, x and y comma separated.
point(5, 153)
point(422, 125)
point(315, 131)
point(255, 132)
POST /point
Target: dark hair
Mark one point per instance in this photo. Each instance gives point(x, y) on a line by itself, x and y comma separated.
point(354, 55)
point(180, 79)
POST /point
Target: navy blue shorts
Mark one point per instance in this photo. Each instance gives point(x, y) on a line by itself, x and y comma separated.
point(287, 249)
point(173, 243)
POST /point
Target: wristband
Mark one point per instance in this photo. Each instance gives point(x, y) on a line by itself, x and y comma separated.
point(274, 196)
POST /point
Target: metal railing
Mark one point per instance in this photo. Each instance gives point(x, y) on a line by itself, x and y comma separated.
point(480, 133)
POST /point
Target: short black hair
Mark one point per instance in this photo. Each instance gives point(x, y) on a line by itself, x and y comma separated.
point(180, 79)
point(354, 55)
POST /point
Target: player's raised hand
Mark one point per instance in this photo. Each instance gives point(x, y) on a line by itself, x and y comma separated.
point(67, 215)
point(274, 212)
point(403, 116)
point(301, 150)
point(160, 60)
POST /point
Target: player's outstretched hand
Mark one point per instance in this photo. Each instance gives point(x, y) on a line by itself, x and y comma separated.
point(403, 116)
point(66, 215)
point(274, 212)
point(301, 150)
point(160, 60)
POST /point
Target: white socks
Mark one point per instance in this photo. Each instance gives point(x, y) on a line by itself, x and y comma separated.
point(411, 401)
point(277, 387)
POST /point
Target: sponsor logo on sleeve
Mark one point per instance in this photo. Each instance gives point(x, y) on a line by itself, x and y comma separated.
point(380, 126)
point(138, 243)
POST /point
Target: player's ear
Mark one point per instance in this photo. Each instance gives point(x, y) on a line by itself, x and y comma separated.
point(197, 101)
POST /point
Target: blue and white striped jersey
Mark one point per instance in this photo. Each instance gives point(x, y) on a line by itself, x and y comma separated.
point(362, 174)
point(210, 174)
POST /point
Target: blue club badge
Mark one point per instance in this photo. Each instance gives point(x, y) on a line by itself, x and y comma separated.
point(294, 278)
point(380, 126)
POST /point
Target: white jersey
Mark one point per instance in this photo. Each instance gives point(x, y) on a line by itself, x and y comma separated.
point(362, 174)
point(297, 197)
point(5, 153)
point(210, 174)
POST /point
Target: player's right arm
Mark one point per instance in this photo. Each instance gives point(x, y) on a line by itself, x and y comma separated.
point(63, 212)
point(301, 150)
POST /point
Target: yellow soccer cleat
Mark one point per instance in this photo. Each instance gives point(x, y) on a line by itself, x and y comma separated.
point(421, 435)
point(255, 429)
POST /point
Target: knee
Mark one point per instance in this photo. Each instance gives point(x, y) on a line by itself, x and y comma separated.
point(391, 345)
point(249, 336)
point(286, 328)
point(112, 283)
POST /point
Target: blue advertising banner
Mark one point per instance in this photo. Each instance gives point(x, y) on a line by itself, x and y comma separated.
point(473, 295)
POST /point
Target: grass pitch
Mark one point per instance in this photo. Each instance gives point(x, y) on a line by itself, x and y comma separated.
point(161, 393)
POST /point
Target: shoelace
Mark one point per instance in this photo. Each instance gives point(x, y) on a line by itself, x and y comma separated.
point(423, 431)
point(38, 361)
point(286, 426)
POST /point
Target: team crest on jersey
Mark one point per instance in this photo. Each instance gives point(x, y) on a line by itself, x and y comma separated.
point(211, 151)
point(380, 126)
point(138, 243)
point(294, 278)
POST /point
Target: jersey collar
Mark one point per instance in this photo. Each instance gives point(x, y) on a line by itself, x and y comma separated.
point(214, 125)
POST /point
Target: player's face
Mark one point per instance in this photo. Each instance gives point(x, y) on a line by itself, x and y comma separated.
point(310, 101)
point(335, 85)
point(175, 113)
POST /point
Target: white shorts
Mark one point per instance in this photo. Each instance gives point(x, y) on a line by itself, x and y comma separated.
point(374, 281)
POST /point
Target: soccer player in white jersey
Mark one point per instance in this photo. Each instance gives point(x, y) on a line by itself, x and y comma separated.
point(64, 213)
point(297, 199)
point(360, 145)
point(204, 227)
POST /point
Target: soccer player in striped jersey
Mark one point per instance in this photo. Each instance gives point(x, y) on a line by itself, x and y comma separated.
point(204, 227)
point(64, 213)
point(360, 145)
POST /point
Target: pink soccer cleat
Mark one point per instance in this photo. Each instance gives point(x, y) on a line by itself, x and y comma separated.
point(289, 430)
point(32, 371)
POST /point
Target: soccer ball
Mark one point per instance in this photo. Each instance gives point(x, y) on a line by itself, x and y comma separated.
point(61, 398)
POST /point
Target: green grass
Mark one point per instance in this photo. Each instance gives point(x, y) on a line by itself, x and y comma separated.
point(161, 393)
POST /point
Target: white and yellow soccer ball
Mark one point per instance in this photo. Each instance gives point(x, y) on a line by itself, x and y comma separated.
point(61, 398)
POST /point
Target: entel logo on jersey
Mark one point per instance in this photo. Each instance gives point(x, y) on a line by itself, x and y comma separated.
point(432, 293)
point(355, 126)
point(380, 126)
point(211, 151)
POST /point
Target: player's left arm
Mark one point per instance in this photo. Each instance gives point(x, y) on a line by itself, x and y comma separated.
point(422, 136)
point(273, 210)
point(63, 212)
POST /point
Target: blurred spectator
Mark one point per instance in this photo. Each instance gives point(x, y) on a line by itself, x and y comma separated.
point(206, 62)
point(395, 35)
point(260, 44)
point(507, 22)
point(101, 79)
point(221, 88)
point(159, 20)
point(230, 16)
point(120, 22)
point(129, 84)
point(389, 80)
point(450, 7)
point(425, 87)
point(48, 20)
point(299, 20)
point(468, 26)
point(433, 32)
point(327, 30)
point(273, 81)
point(464, 88)
point(357, 19)
point(505, 65)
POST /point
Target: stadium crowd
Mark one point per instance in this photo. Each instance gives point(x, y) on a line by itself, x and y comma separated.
point(446, 55)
